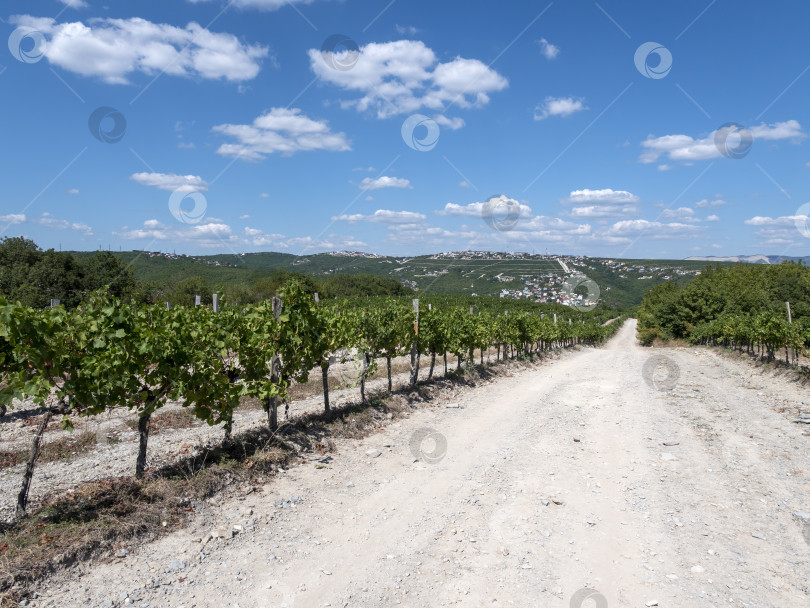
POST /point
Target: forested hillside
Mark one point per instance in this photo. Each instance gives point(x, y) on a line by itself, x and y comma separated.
point(34, 277)
point(744, 305)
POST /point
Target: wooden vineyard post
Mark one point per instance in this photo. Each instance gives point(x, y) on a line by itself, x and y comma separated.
point(414, 344)
point(472, 350)
point(325, 361)
point(197, 300)
point(215, 302)
point(790, 320)
point(275, 364)
point(505, 345)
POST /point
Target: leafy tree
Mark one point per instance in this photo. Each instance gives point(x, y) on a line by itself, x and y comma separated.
point(352, 285)
point(184, 293)
point(273, 284)
point(103, 269)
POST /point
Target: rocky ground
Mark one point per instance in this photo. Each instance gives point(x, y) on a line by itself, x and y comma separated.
point(618, 476)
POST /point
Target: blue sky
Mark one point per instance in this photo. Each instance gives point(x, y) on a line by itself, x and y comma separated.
point(663, 129)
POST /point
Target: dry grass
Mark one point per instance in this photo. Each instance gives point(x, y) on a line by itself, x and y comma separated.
point(65, 448)
point(346, 379)
point(167, 420)
point(799, 374)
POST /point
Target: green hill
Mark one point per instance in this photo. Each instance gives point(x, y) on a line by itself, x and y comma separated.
point(519, 276)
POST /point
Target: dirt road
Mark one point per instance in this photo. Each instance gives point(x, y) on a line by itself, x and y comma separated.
point(579, 474)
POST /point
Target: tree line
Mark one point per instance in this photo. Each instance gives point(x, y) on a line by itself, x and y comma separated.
point(34, 277)
point(742, 306)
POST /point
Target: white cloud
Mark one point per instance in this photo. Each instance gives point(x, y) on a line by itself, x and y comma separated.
point(264, 5)
point(604, 203)
point(542, 226)
point(211, 233)
point(558, 106)
point(280, 130)
point(605, 195)
point(783, 230)
point(597, 211)
point(273, 240)
point(707, 203)
point(384, 182)
point(50, 221)
point(648, 229)
point(464, 184)
point(664, 167)
point(171, 181)
point(681, 214)
point(244, 217)
point(405, 76)
point(790, 129)
point(73, 191)
point(713, 218)
point(332, 242)
point(785, 220)
point(185, 145)
point(113, 49)
point(14, 218)
point(383, 216)
point(264, 195)
point(451, 123)
point(685, 148)
point(477, 209)
point(75, 3)
point(549, 50)
point(407, 30)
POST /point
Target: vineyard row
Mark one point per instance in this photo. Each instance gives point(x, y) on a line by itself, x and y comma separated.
point(108, 354)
